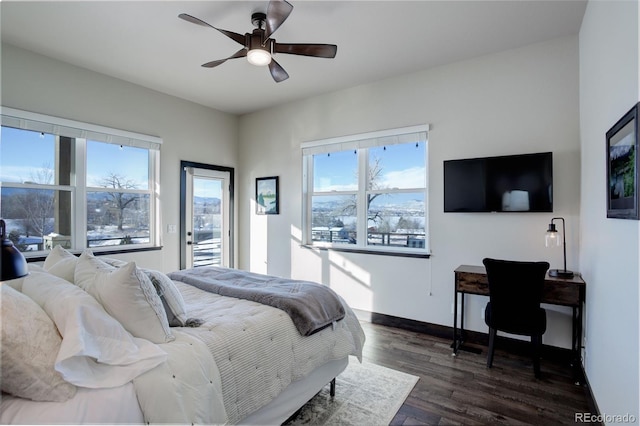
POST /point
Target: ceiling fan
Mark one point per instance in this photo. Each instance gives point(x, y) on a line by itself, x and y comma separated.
point(259, 47)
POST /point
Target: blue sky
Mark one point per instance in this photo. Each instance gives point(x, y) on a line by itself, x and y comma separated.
point(207, 187)
point(403, 166)
point(24, 152)
point(104, 159)
point(21, 151)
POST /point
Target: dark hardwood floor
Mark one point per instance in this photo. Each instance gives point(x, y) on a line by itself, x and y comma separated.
point(462, 390)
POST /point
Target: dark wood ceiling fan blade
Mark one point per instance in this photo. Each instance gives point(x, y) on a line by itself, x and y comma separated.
point(305, 49)
point(233, 36)
point(214, 64)
point(277, 72)
point(194, 20)
point(277, 12)
point(239, 54)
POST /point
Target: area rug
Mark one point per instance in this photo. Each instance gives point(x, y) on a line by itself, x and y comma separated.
point(366, 394)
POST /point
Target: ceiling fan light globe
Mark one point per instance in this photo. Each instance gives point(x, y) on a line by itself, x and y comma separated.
point(258, 57)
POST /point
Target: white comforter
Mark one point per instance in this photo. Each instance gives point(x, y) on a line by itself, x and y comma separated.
point(241, 358)
point(186, 389)
point(257, 349)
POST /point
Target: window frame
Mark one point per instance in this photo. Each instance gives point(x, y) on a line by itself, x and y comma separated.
point(81, 133)
point(361, 144)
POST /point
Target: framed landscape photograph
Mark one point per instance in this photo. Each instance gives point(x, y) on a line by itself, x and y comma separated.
point(267, 199)
point(622, 167)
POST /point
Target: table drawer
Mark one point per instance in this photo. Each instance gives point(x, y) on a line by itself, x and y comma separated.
point(560, 293)
point(469, 282)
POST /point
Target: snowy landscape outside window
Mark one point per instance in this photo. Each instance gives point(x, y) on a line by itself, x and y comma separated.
point(367, 192)
point(75, 185)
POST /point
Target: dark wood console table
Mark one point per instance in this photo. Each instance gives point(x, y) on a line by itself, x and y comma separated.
point(557, 291)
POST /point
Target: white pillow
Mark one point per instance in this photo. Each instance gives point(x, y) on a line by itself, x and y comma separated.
point(61, 263)
point(170, 296)
point(96, 350)
point(127, 294)
point(30, 342)
point(35, 267)
point(17, 283)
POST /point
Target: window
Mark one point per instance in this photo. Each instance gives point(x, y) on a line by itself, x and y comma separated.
point(77, 185)
point(367, 192)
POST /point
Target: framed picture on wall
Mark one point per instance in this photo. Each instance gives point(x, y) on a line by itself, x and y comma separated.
point(267, 197)
point(622, 167)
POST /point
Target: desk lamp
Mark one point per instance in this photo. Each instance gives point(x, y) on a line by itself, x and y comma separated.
point(13, 264)
point(553, 238)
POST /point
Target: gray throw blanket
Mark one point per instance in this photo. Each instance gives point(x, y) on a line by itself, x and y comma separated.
point(311, 306)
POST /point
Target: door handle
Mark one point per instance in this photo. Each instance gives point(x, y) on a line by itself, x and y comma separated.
point(189, 243)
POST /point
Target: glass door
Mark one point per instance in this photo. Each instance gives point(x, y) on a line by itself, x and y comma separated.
point(207, 218)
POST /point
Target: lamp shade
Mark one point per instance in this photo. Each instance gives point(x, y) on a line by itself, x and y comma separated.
point(14, 264)
point(552, 237)
point(259, 57)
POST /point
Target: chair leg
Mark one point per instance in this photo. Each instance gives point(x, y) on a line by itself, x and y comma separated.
point(536, 342)
point(492, 338)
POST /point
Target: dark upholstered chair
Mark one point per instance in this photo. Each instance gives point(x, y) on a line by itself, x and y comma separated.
point(515, 293)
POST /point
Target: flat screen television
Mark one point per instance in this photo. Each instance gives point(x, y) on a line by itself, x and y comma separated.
point(510, 183)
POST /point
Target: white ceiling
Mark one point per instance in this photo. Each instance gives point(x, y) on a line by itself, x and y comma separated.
point(145, 43)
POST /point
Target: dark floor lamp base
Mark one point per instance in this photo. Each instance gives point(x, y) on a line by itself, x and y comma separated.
point(560, 273)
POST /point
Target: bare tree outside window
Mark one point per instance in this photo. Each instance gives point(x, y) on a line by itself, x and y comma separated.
point(349, 207)
point(121, 200)
point(37, 205)
point(375, 173)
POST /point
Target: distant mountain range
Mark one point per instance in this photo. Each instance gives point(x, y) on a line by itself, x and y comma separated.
point(211, 201)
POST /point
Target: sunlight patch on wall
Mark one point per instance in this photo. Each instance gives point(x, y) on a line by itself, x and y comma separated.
point(350, 281)
point(258, 249)
point(296, 235)
point(343, 265)
point(306, 264)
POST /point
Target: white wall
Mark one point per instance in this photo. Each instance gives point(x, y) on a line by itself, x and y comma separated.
point(189, 131)
point(518, 101)
point(609, 252)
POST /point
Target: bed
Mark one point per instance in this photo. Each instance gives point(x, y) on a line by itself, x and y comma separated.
point(178, 354)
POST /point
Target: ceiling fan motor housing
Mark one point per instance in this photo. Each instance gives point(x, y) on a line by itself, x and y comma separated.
point(258, 19)
point(256, 41)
